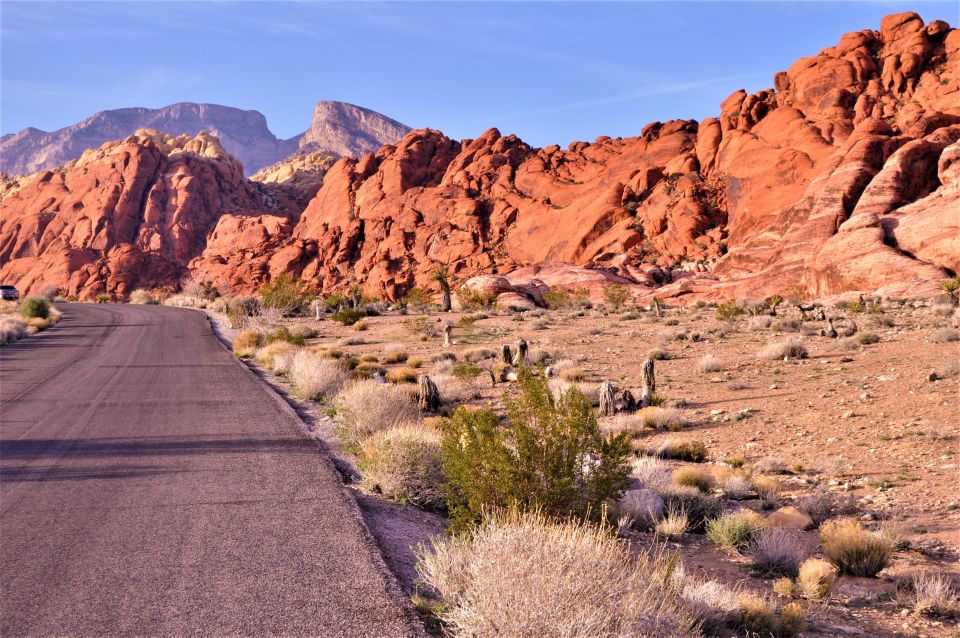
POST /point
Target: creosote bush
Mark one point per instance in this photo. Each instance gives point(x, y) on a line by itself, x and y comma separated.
point(736, 530)
point(35, 307)
point(855, 551)
point(525, 576)
point(548, 455)
point(348, 316)
point(366, 407)
point(403, 463)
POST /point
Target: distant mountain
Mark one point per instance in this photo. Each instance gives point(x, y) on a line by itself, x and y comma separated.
point(350, 130)
point(342, 128)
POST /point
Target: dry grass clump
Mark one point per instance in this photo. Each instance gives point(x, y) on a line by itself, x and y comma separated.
point(524, 576)
point(443, 356)
point(934, 594)
point(772, 465)
point(760, 616)
point(699, 507)
point(640, 508)
point(569, 371)
point(855, 551)
point(12, 329)
point(402, 376)
point(713, 604)
point(816, 578)
point(736, 530)
point(454, 390)
point(786, 325)
point(767, 488)
point(673, 525)
point(658, 418)
point(777, 550)
point(821, 505)
point(697, 477)
point(683, 450)
point(141, 296)
point(366, 407)
point(351, 341)
point(397, 356)
point(475, 355)
point(659, 355)
point(247, 343)
point(710, 363)
point(652, 473)
point(403, 463)
point(303, 331)
point(762, 322)
point(783, 349)
point(736, 486)
point(867, 338)
point(277, 356)
point(315, 377)
point(944, 335)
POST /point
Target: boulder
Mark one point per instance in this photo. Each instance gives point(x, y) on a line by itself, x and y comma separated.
point(791, 517)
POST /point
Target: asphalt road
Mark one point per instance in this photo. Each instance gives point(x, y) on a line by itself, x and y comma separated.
point(151, 485)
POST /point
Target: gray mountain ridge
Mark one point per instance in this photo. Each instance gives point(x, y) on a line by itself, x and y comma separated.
point(344, 129)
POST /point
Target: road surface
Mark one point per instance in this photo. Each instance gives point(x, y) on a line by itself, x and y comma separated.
point(150, 485)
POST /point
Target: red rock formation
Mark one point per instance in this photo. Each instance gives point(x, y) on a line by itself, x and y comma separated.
point(843, 177)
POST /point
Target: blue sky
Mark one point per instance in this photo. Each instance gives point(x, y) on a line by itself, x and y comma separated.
point(550, 72)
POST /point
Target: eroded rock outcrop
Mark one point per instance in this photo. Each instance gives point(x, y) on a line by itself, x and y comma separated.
point(842, 177)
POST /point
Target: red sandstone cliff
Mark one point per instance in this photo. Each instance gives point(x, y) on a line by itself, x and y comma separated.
point(843, 177)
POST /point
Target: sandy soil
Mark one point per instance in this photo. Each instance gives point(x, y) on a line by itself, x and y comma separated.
point(857, 419)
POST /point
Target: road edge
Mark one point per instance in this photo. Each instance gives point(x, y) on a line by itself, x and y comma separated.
point(393, 585)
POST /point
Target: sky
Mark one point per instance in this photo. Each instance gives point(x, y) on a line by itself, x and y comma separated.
point(551, 72)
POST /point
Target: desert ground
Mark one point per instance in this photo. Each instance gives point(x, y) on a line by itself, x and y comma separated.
point(862, 426)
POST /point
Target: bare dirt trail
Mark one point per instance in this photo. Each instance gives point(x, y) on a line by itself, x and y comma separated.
point(151, 485)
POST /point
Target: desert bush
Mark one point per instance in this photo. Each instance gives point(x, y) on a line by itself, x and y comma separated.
point(640, 508)
point(713, 604)
point(710, 363)
point(277, 352)
point(403, 463)
point(616, 296)
point(454, 390)
point(854, 550)
point(652, 473)
point(816, 578)
point(421, 327)
point(573, 374)
point(658, 418)
point(283, 334)
point(943, 310)
point(141, 296)
point(934, 594)
point(736, 486)
point(303, 331)
point(316, 377)
point(782, 349)
point(360, 326)
point(402, 376)
point(32, 307)
point(246, 343)
point(761, 616)
point(366, 407)
point(351, 341)
point(398, 356)
point(673, 525)
point(697, 477)
point(762, 322)
point(683, 450)
point(729, 310)
point(951, 286)
point(470, 299)
point(475, 355)
point(772, 465)
point(348, 316)
point(777, 550)
point(736, 530)
point(11, 329)
point(549, 455)
point(659, 355)
point(785, 325)
point(822, 505)
point(767, 488)
point(699, 507)
point(286, 293)
point(367, 370)
point(944, 335)
point(867, 338)
point(524, 576)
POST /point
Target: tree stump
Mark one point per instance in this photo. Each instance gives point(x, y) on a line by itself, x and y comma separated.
point(428, 395)
point(506, 355)
point(520, 356)
point(607, 399)
point(627, 401)
point(447, 334)
point(648, 382)
point(656, 306)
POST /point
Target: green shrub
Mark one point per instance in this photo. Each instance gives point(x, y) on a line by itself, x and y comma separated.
point(102, 298)
point(735, 529)
point(284, 334)
point(348, 316)
point(35, 307)
point(729, 310)
point(416, 299)
point(616, 296)
point(471, 299)
point(287, 293)
point(557, 298)
point(466, 370)
point(548, 455)
point(951, 285)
